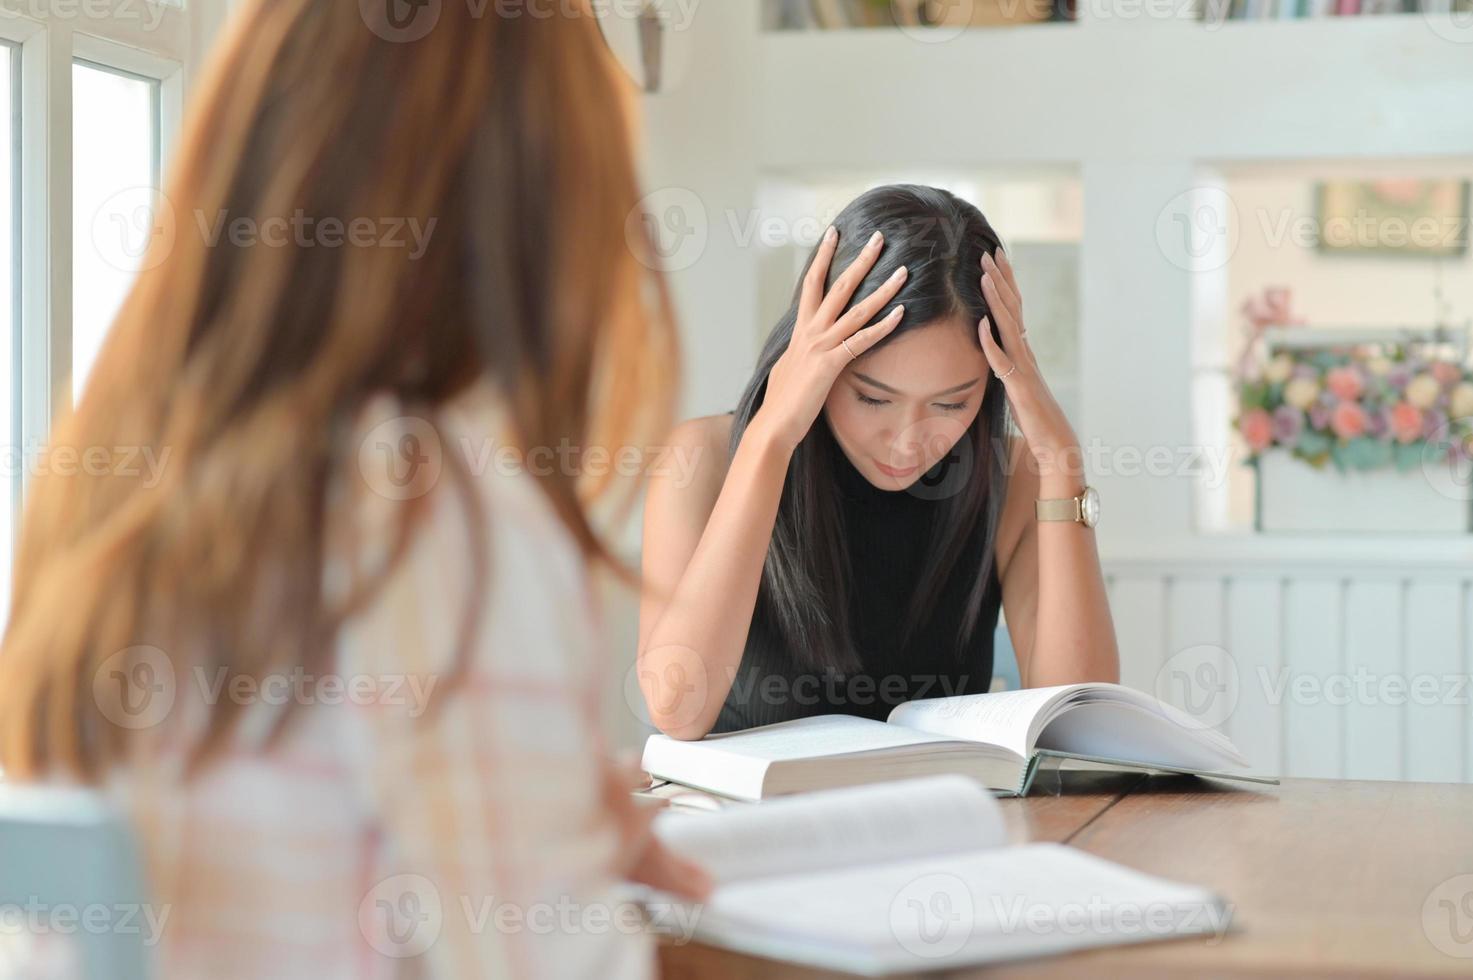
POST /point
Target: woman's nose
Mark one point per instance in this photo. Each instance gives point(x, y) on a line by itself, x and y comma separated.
point(908, 444)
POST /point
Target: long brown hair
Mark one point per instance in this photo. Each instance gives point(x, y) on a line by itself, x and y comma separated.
point(242, 364)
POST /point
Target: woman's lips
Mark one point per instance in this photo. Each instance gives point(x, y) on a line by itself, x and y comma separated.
point(894, 472)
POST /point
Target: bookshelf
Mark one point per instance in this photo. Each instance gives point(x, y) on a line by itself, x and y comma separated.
point(953, 16)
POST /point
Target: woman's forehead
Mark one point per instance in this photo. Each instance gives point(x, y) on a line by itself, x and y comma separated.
point(924, 360)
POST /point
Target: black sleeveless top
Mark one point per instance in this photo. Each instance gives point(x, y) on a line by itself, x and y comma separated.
point(888, 538)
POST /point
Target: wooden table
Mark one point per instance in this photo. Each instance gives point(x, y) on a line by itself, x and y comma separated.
point(1325, 877)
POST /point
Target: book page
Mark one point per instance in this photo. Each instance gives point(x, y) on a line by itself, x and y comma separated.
point(1003, 718)
point(732, 763)
point(927, 913)
point(839, 828)
point(1115, 694)
point(819, 735)
point(1120, 731)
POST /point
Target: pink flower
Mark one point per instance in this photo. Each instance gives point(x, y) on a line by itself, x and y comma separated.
point(1406, 422)
point(1257, 428)
point(1446, 372)
point(1345, 383)
point(1348, 420)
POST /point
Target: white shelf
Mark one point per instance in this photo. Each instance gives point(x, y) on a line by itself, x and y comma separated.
point(1304, 89)
point(1291, 555)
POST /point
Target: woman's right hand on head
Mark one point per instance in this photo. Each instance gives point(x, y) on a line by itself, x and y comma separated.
point(800, 381)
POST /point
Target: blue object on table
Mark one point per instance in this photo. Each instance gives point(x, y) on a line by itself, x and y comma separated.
point(1005, 660)
point(66, 851)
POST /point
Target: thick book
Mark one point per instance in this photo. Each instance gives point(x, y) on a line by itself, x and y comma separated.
point(907, 876)
point(998, 739)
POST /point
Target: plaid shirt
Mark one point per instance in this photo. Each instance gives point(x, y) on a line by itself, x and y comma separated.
point(378, 841)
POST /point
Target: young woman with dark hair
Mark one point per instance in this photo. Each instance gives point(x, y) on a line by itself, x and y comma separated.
point(856, 523)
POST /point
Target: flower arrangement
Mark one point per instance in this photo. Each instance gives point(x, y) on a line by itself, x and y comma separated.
point(1357, 407)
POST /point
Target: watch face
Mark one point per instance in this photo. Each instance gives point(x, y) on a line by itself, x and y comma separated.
point(1090, 507)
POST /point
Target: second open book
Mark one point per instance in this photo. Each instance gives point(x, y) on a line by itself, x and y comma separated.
point(997, 739)
point(913, 875)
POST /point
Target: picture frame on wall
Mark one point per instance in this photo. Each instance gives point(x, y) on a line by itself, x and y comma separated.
point(1411, 217)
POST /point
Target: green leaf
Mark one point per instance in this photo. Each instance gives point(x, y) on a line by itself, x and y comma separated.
point(1409, 455)
point(1316, 459)
point(1364, 453)
point(1313, 444)
point(1338, 453)
point(1253, 395)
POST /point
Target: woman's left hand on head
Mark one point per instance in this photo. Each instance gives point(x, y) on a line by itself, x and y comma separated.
point(1039, 417)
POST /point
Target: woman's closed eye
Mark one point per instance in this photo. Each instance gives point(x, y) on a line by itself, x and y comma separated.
point(944, 406)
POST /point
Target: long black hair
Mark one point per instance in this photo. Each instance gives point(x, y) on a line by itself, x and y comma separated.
point(805, 582)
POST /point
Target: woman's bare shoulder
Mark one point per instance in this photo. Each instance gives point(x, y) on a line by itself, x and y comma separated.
point(698, 455)
point(705, 431)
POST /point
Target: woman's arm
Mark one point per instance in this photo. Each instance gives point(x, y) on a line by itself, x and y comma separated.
point(705, 544)
point(1053, 591)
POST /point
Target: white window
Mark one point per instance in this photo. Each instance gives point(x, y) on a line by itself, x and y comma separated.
point(94, 92)
point(115, 176)
point(9, 312)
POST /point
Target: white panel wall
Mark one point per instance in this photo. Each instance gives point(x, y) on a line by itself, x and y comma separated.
point(1340, 673)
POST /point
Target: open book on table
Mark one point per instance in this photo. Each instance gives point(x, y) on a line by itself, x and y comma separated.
point(998, 739)
point(909, 875)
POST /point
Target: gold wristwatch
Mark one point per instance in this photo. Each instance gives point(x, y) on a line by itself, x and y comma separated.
point(1083, 509)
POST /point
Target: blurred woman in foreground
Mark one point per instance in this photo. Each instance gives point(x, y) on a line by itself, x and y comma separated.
point(341, 671)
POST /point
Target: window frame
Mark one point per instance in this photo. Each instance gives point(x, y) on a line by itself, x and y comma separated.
point(162, 41)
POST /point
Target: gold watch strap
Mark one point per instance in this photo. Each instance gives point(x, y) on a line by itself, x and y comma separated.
point(1062, 509)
